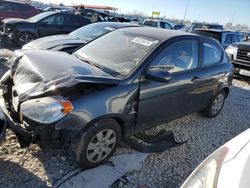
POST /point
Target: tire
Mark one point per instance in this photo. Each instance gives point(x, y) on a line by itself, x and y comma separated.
point(215, 106)
point(97, 144)
point(25, 37)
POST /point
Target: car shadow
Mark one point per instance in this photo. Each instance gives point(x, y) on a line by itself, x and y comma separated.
point(14, 175)
point(57, 163)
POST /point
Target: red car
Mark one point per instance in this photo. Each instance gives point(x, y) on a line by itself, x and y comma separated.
point(14, 9)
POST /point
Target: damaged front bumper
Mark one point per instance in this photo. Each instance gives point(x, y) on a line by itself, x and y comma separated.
point(6, 121)
point(3, 126)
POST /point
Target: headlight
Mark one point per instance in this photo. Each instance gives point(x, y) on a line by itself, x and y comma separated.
point(232, 51)
point(206, 174)
point(46, 110)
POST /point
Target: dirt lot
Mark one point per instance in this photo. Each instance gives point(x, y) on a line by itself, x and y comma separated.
point(33, 167)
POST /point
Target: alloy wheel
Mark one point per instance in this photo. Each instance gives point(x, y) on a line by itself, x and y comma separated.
point(26, 38)
point(218, 103)
point(101, 146)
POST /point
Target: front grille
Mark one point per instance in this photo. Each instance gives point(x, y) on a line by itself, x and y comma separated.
point(242, 54)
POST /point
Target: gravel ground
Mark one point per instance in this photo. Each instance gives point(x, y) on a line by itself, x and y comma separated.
point(33, 167)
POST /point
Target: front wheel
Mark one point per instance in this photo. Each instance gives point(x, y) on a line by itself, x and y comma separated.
point(25, 38)
point(97, 144)
point(216, 105)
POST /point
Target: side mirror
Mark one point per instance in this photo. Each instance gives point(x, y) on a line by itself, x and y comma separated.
point(158, 74)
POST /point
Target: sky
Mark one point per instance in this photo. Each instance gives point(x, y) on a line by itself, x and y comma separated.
point(216, 11)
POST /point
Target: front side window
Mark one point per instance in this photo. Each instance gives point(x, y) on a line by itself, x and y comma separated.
point(54, 20)
point(117, 52)
point(179, 56)
point(228, 39)
point(167, 26)
point(236, 38)
point(211, 54)
point(39, 17)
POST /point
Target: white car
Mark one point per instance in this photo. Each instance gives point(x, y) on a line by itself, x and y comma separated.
point(158, 23)
point(227, 167)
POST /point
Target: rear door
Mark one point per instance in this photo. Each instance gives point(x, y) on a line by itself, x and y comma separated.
point(71, 23)
point(211, 73)
point(161, 102)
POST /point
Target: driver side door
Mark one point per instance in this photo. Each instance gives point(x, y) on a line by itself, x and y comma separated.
point(52, 25)
point(160, 102)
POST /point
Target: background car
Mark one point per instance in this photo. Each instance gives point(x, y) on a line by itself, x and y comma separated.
point(41, 25)
point(14, 9)
point(69, 43)
point(225, 37)
point(197, 25)
point(239, 55)
point(158, 23)
point(124, 82)
point(59, 9)
point(96, 16)
point(228, 166)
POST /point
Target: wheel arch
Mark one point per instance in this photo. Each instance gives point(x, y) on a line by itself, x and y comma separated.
point(226, 89)
point(120, 119)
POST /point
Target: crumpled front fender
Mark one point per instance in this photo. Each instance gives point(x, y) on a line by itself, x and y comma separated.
point(3, 126)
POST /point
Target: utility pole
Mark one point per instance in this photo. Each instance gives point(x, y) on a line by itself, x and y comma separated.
point(186, 11)
point(233, 18)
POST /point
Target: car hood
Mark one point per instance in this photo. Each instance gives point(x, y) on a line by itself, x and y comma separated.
point(14, 20)
point(36, 72)
point(51, 42)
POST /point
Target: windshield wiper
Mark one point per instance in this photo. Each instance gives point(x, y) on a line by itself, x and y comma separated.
point(86, 60)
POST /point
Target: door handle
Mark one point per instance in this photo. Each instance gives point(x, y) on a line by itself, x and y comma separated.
point(195, 78)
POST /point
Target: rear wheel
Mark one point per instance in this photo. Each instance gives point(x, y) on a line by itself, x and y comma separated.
point(215, 106)
point(25, 38)
point(97, 143)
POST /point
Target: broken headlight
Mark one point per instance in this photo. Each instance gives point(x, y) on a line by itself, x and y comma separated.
point(206, 174)
point(46, 110)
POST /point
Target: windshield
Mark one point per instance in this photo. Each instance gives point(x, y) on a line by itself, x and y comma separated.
point(40, 16)
point(92, 31)
point(119, 51)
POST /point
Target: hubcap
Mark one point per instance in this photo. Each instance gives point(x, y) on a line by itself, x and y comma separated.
point(217, 104)
point(101, 146)
point(24, 39)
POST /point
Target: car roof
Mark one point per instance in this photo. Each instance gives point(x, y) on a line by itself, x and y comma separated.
point(13, 1)
point(117, 25)
point(156, 33)
point(216, 30)
point(200, 23)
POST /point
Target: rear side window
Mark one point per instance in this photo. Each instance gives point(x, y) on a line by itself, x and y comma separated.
point(21, 7)
point(150, 23)
point(212, 54)
point(5, 6)
point(70, 20)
